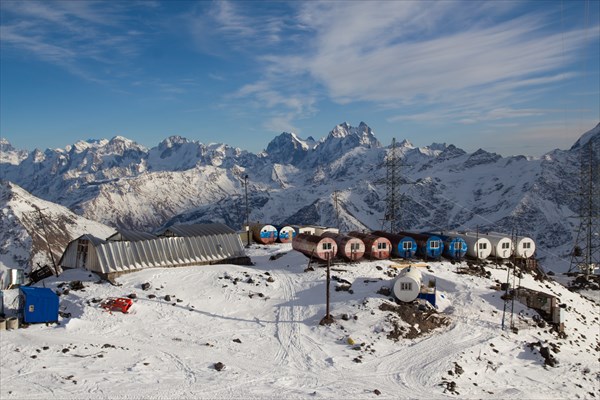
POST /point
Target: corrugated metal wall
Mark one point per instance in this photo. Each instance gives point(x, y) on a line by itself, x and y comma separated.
point(117, 256)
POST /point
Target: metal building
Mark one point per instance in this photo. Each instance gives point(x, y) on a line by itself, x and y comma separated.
point(178, 245)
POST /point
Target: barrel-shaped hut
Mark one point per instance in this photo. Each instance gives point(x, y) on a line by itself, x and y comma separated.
point(312, 246)
point(524, 247)
point(402, 246)
point(455, 248)
point(478, 246)
point(349, 248)
point(428, 246)
point(408, 284)
point(263, 233)
point(285, 234)
point(502, 245)
point(377, 247)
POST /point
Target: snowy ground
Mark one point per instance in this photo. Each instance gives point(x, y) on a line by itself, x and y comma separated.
point(268, 336)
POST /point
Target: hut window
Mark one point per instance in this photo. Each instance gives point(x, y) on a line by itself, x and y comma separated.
point(327, 246)
point(527, 245)
point(405, 285)
point(407, 245)
point(505, 245)
point(482, 246)
point(457, 246)
point(354, 246)
point(381, 246)
point(434, 244)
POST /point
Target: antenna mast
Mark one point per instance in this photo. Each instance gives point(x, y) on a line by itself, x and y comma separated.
point(393, 199)
point(586, 251)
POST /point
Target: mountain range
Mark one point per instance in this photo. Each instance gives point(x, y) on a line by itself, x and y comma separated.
point(339, 180)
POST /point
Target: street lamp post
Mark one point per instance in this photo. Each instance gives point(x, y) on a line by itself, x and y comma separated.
point(247, 210)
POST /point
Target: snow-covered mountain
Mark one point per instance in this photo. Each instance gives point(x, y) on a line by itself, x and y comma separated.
point(23, 231)
point(120, 183)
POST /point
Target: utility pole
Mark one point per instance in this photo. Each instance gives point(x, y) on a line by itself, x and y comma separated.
point(337, 211)
point(247, 211)
point(46, 238)
point(327, 319)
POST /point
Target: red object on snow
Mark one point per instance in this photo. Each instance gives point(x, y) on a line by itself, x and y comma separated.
point(117, 304)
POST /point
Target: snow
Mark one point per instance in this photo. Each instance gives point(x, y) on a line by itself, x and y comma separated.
point(268, 336)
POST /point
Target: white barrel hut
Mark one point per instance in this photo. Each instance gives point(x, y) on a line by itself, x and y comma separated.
point(477, 246)
point(502, 245)
point(408, 284)
point(525, 247)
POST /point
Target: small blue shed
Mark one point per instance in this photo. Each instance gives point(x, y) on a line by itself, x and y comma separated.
point(38, 305)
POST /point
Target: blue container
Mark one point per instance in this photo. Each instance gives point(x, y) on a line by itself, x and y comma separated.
point(455, 248)
point(38, 305)
point(429, 246)
point(402, 246)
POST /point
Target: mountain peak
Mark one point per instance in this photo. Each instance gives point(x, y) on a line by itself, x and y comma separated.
point(592, 134)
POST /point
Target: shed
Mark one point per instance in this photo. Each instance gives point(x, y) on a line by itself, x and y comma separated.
point(38, 305)
point(408, 284)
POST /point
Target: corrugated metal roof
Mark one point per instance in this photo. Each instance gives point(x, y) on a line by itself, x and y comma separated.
point(131, 236)
point(198, 230)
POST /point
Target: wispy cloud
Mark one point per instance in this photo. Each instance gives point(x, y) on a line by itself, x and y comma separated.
point(81, 36)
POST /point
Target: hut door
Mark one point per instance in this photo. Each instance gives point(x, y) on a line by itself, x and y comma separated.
point(82, 251)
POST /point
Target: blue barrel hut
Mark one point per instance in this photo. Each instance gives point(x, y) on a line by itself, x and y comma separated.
point(455, 247)
point(402, 246)
point(428, 246)
point(38, 305)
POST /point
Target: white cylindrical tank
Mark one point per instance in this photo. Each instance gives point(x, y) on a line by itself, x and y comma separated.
point(477, 246)
point(408, 284)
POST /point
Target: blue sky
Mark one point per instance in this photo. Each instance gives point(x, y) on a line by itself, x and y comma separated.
point(514, 77)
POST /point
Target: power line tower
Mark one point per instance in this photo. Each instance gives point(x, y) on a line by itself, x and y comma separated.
point(585, 257)
point(392, 219)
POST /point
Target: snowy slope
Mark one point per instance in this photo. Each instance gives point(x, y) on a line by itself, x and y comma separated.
point(22, 238)
point(262, 323)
